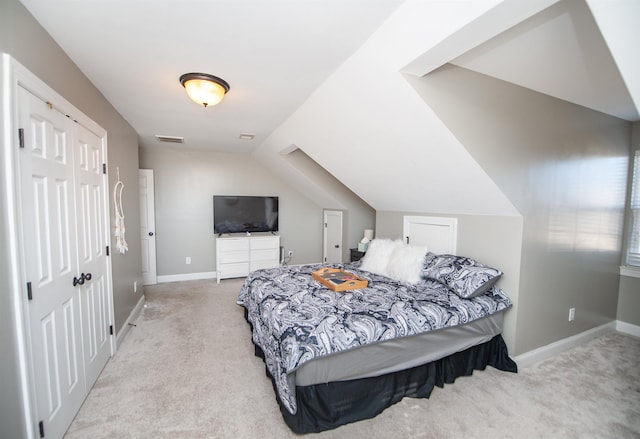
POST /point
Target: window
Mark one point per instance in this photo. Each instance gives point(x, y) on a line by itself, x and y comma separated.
point(633, 246)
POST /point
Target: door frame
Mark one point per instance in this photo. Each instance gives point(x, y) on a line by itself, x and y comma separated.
point(149, 206)
point(12, 76)
point(325, 234)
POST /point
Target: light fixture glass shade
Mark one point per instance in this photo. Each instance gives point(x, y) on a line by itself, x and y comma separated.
point(204, 89)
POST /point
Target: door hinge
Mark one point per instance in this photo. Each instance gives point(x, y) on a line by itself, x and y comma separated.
point(325, 225)
point(29, 291)
point(21, 137)
point(104, 168)
point(110, 329)
point(41, 428)
point(107, 250)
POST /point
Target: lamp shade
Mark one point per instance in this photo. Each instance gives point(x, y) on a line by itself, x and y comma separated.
point(204, 89)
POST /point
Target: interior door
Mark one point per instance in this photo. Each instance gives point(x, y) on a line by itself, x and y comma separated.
point(48, 230)
point(90, 184)
point(439, 234)
point(332, 236)
point(147, 227)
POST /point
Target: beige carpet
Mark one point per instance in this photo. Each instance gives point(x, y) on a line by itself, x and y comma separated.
point(187, 370)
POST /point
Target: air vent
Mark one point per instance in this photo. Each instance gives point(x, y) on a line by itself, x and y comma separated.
point(246, 136)
point(170, 139)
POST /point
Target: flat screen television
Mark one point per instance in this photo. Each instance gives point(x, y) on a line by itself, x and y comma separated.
point(244, 214)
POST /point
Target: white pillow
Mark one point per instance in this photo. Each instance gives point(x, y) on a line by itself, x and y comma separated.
point(405, 263)
point(376, 258)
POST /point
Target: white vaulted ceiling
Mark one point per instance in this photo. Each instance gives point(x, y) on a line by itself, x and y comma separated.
point(327, 76)
point(570, 50)
point(273, 54)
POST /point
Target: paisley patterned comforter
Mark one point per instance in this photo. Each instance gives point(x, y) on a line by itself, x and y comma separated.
point(295, 319)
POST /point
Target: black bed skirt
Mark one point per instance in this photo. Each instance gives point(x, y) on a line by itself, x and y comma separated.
point(326, 406)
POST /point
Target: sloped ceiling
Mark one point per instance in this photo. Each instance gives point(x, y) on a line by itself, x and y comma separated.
point(327, 78)
point(560, 51)
point(273, 53)
point(366, 126)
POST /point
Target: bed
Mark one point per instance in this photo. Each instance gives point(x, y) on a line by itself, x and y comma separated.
point(340, 357)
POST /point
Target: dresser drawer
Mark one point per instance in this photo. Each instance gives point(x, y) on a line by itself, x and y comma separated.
point(230, 245)
point(239, 269)
point(267, 242)
point(265, 255)
point(234, 256)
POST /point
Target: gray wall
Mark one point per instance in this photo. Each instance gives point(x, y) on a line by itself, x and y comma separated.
point(629, 300)
point(493, 240)
point(629, 294)
point(23, 38)
point(356, 214)
point(185, 182)
point(564, 167)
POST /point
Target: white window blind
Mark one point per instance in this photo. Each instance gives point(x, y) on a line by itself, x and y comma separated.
point(633, 252)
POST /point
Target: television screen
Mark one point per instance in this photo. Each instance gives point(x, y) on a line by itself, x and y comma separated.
point(241, 214)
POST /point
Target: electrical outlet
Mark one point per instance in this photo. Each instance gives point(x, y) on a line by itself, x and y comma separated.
point(290, 253)
point(135, 286)
point(188, 260)
point(572, 314)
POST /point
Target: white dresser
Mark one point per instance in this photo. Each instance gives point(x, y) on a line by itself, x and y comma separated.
point(238, 256)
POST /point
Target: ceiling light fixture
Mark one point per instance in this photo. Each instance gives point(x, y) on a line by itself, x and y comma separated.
point(204, 89)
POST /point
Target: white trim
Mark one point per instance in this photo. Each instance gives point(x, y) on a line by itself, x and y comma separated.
point(133, 315)
point(628, 328)
point(289, 149)
point(187, 276)
point(560, 346)
point(626, 270)
point(13, 249)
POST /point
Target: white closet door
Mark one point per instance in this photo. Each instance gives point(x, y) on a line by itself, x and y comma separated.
point(48, 213)
point(90, 182)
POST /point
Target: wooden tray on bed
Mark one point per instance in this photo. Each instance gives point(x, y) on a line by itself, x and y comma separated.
point(338, 280)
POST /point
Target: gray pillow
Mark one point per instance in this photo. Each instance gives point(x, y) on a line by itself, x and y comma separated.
point(464, 276)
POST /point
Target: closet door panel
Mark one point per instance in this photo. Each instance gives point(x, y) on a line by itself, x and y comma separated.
point(90, 154)
point(48, 234)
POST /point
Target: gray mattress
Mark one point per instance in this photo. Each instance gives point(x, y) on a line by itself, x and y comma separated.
point(397, 354)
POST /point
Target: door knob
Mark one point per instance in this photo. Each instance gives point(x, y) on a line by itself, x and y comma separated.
point(337, 246)
point(150, 233)
point(80, 281)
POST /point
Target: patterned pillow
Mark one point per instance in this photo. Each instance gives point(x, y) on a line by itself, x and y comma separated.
point(466, 277)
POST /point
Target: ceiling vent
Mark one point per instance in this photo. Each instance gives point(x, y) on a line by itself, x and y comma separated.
point(170, 139)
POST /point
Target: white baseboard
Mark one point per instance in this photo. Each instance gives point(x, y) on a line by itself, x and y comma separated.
point(558, 347)
point(122, 333)
point(628, 328)
point(187, 276)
